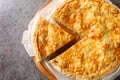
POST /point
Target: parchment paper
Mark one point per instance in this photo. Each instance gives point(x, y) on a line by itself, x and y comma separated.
point(26, 40)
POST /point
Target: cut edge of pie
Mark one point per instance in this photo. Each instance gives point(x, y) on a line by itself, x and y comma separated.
point(80, 15)
point(47, 38)
point(84, 60)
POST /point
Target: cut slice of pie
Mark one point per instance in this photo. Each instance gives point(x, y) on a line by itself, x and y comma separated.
point(47, 38)
point(89, 59)
point(81, 15)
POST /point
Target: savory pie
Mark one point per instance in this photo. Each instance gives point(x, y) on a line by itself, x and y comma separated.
point(47, 38)
point(97, 54)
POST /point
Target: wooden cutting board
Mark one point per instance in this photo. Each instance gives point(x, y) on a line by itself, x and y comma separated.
point(44, 69)
point(41, 65)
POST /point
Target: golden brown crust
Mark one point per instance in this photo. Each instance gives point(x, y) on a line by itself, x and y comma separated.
point(98, 52)
point(81, 15)
point(47, 38)
point(89, 58)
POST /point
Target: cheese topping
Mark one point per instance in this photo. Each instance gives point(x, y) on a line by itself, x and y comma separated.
point(89, 58)
point(47, 38)
point(81, 15)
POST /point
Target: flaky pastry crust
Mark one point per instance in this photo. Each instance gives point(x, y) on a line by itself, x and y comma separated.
point(82, 15)
point(89, 59)
point(47, 38)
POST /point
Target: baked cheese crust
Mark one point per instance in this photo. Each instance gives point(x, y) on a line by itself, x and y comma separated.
point(82, 15)
point(89, 59)
point(47, 38)
point(98, 52)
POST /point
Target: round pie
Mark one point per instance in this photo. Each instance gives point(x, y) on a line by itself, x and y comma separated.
point(96, 54)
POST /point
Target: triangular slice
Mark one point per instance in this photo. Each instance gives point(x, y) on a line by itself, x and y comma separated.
point(47, 38)
point(89, 59)
point(82, 15)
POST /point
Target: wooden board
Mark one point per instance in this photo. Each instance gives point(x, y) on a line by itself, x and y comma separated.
point(45, 71)
point(41, 65)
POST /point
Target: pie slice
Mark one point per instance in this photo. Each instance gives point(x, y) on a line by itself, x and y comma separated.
point(89, 59)
point(47, 38)
point(82, 15)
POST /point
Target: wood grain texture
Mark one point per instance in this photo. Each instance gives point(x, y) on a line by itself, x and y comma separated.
point(43, 68)
point(41, 65)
